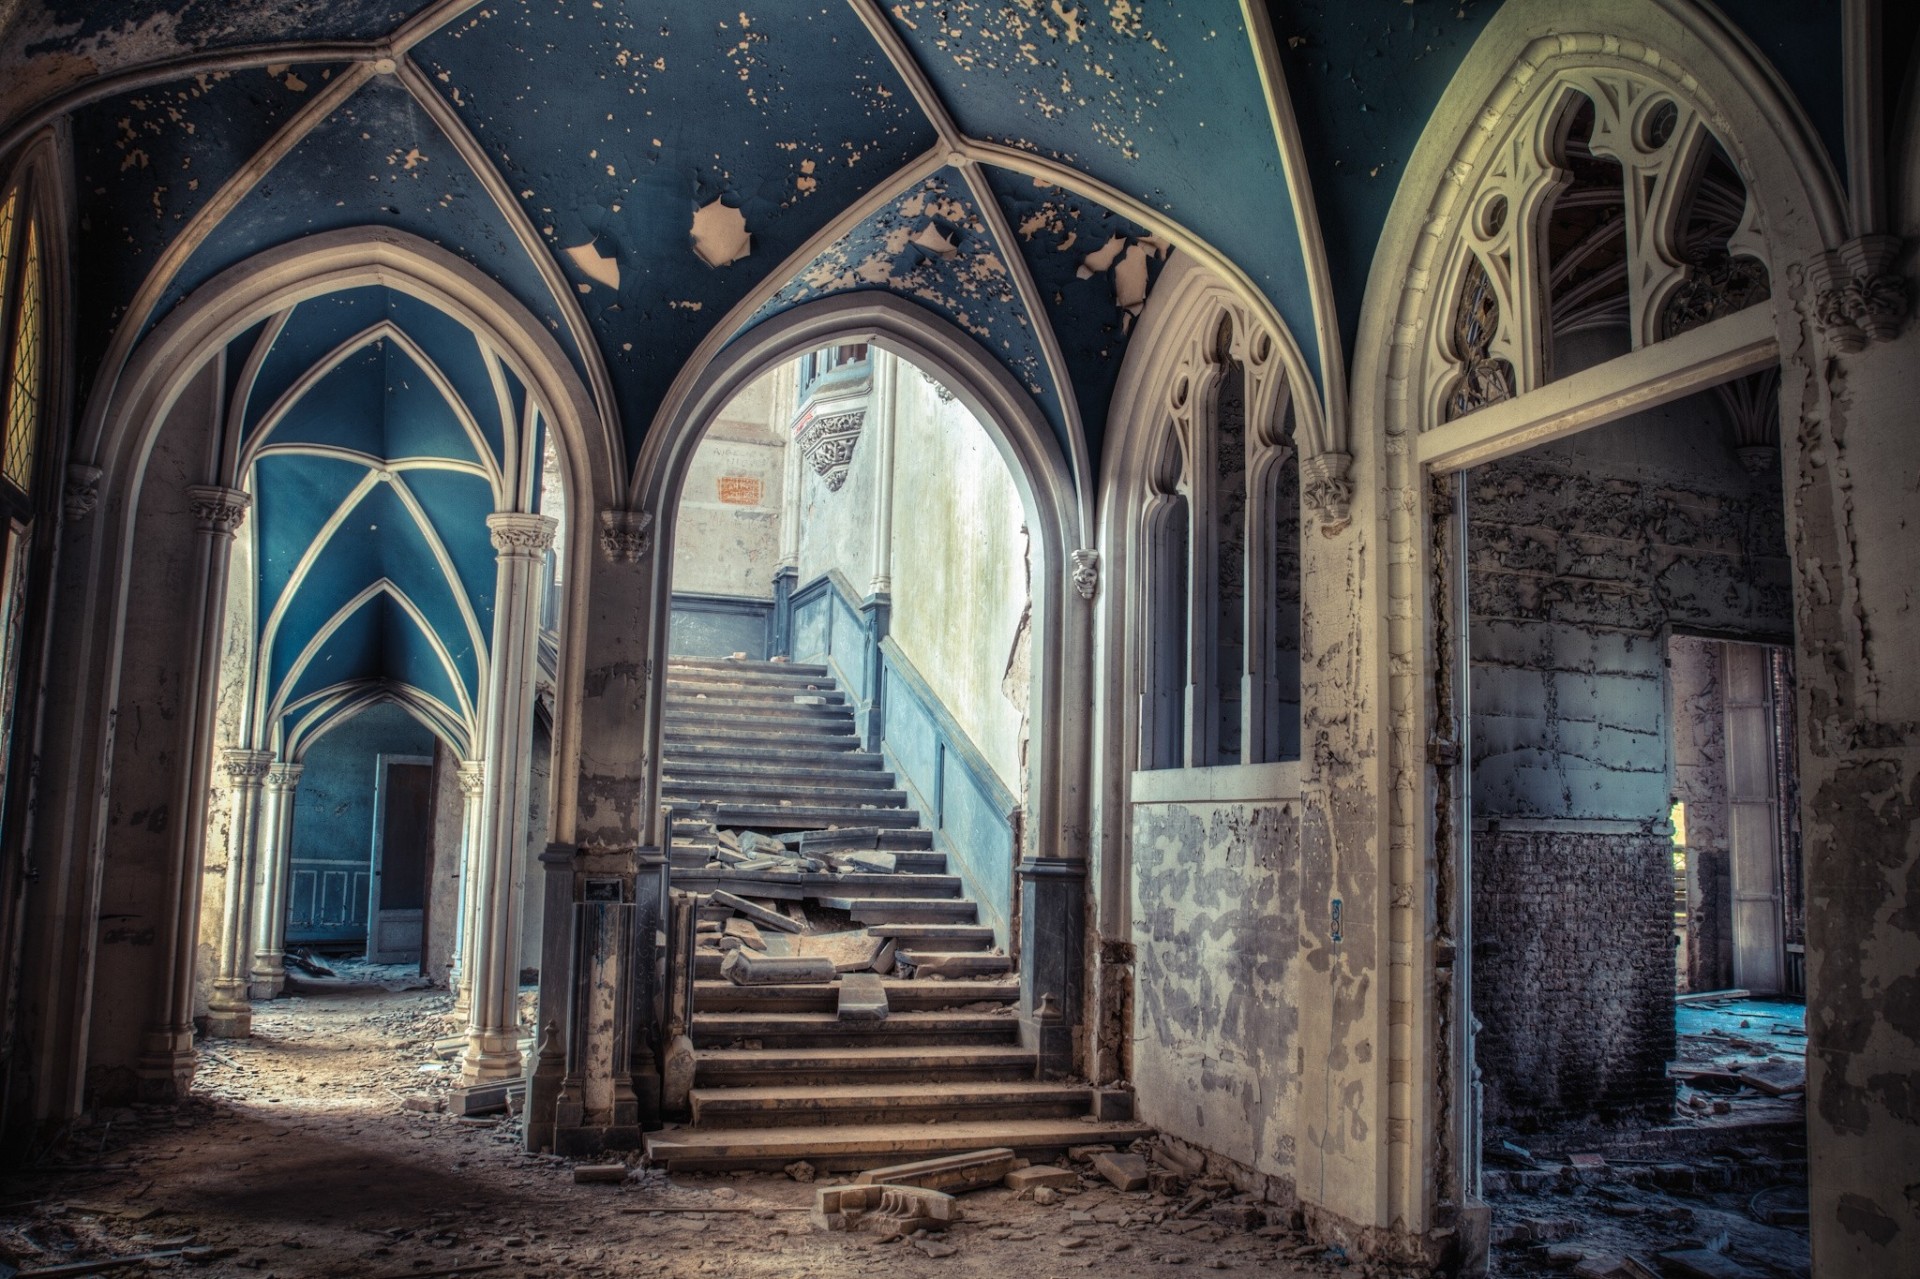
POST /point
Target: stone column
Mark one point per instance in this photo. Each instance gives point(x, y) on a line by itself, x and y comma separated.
point(272, 868)
point(493, 1023)
point(166, 1058)
point(473, 787)
point(786, 575)
point(230, 1006)
point(880, 414)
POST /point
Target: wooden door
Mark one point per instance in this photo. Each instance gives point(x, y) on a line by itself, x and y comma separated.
point(402, 851)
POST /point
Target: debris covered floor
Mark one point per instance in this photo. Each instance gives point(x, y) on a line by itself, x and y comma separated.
point(299, 1157)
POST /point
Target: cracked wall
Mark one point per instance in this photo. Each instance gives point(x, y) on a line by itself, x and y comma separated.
point(1216, 998)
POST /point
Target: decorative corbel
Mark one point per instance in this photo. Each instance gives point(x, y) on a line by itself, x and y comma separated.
point(1859, 295)
point(216, 509)
point(625, 535)
point(1086, 573)
point(1326, 489)
point(82, 491)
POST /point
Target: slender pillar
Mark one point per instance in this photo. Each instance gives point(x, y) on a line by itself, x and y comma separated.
point(230, 1006)
point(272, 868)
point(493, 1022)
point(166, 1058)
point(473, 787)
point(879, 429)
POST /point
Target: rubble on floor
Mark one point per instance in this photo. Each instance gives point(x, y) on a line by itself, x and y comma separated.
point(1717, 1192)
point(296, 1158)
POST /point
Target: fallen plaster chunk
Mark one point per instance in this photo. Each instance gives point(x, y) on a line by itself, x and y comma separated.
point(889, 1211)
point(745, 968)
point(720, 237)
point(595, 265)
point(953, 1174)
point(1126, 1172)
point(1042, 1175)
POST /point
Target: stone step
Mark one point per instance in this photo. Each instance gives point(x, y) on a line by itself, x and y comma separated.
point(799, 884)
point(776, 1030)
point(693, 693)
point(936, 937)
point(860, 838)
point(764, 720)
point(904, 910)
point(852, 1147)
point(774, 776)
point(793, 1067)
point(750, 667)
point(869, 788)
point(845, 754)
point(902, 996)
point(957, 964)
point(750, 739)
point(885, 1103)
point(803, 816)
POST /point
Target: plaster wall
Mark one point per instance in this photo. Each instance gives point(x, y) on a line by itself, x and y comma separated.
point(533, 889)
point(1218, 988)
point(727, 541)
point(1582, 557)
point(236, 662)
point(960, 571)
point(835, 526)
point(148, 753)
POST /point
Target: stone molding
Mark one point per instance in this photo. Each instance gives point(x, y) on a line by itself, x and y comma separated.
point(247, 766)
point(1086, 572)
point(516, 533)
point(81, 493)
point(625, 535)
point(1860, 297)
point(216, 509)
point(1326, 489)
point(472, 778)
point(285, 776)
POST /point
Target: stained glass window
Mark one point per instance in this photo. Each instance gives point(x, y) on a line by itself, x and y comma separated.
point(6, 240)
point(23, 396)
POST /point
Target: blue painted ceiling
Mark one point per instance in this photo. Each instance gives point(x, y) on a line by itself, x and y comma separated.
point(379, 435)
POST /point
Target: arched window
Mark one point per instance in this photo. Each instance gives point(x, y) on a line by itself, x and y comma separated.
point(23, 376)
point(1221, 659)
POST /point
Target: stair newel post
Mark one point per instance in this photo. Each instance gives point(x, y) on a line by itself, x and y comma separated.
point(876, 616)
point(1053, 865)
point(780, 620)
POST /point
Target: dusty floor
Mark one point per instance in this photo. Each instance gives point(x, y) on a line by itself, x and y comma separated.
point(298, 1159)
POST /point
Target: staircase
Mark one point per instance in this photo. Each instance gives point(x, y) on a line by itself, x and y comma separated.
point(771, 747)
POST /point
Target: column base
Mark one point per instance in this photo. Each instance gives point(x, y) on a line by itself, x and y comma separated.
point(268, 980)
point(491, 1057)
point(229, 1011)
point(166, 1065)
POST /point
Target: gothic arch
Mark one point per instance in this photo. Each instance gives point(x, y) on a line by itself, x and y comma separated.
point(1670, 48)
point(1065, 576)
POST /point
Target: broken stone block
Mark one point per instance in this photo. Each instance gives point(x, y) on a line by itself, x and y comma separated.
point(757, 913)
point(1112, 1105)
point(849, 951)
point(887, 1210)
point(1164, 1181)
point(863, 997)
point(1126, 1172)
point(1080, 1154)
point(599, 1174)
point(747, 934)
point(1239, 1216)
point(744, 967)
point(800, 1170)
point(876, 863)
point(1046, 1196)
point(952, 1173)
point(1042, 1175)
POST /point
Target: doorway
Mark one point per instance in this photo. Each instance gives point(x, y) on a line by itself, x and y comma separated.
point(402, 858)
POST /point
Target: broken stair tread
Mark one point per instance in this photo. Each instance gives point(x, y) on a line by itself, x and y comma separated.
point(815, 1096)
point(693, 1148)
point(902, 995)
point(934, 932)
point(748, 1025)
point(955, 907)
point(797, 815)
point(853, 1059)
point(754, 665)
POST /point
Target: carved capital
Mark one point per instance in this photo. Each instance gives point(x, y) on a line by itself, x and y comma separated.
point(472, 778)
point(82, 491)
point(1086, 572)
point(285, 776)
point(515, 533)
point(1859, 296)
point(1326, 489)
point(246, 766)
point(216, 509)
point(625, 535)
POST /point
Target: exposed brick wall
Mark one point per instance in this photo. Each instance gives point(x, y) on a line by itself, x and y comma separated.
point(1573, 979)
